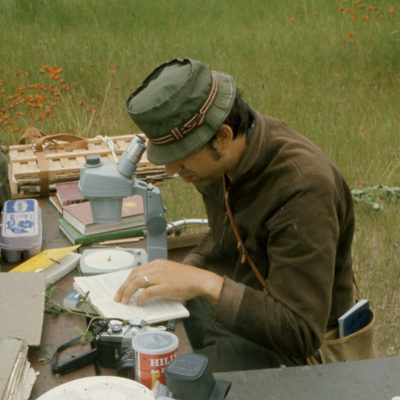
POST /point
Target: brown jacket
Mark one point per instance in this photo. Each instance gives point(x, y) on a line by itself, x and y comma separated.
point(294, 213)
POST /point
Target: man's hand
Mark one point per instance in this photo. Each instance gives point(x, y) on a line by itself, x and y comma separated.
point(172, 280)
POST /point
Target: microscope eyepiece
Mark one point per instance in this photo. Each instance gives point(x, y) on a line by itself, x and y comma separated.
point(127, 163)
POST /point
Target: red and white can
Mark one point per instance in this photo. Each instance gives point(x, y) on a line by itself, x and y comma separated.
point(154, 350)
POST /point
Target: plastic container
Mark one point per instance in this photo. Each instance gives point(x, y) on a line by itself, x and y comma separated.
point(21, 229)
point(154, 350)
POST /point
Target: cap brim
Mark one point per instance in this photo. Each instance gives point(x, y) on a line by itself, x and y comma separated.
point(220, 391)
point(198, 137)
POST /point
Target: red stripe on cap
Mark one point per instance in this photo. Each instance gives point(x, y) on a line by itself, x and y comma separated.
point(196, 120)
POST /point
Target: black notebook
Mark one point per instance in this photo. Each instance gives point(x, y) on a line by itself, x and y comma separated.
point(354, 319)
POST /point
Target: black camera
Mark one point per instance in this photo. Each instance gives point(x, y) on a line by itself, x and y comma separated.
point(114, 346)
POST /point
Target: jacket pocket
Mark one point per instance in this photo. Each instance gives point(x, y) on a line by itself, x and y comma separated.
point(359, 345)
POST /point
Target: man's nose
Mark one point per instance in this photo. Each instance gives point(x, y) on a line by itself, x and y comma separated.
point(173, 168)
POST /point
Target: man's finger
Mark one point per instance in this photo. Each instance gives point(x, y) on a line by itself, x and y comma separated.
point(128, 288)
point(147, 294)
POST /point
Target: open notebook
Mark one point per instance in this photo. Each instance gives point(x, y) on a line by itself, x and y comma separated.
point(102, 289)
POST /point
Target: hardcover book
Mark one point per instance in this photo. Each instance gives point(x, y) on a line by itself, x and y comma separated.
point(79, 215)
point(68, 193)
point(354, 319)
point(76, 237)
point(56, 203)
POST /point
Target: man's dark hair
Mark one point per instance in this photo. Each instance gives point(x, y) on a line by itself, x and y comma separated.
point(240, 118)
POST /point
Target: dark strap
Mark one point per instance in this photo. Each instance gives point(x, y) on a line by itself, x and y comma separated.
point(38, 139)
point(75, 363)
point(240, 246)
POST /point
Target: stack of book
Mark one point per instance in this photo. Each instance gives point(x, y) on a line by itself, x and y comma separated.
point(21, 316)
point(76, 221)
point(16, 375)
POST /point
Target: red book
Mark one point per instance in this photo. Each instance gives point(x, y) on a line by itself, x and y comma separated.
point(79, 215)
point(68, 193)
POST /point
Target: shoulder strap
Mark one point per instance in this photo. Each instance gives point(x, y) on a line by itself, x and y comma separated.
point(240, 246)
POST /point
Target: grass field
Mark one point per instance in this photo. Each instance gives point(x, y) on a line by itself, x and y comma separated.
point(329, 69)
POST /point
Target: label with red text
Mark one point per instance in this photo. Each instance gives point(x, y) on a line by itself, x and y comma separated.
point(149, 368)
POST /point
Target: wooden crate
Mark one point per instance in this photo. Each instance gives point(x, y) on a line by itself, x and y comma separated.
point(65, 165)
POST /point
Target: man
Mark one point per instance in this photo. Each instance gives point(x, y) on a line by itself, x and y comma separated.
point(291, 208)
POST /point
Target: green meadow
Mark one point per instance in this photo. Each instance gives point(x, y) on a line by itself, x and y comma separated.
point(331, 70)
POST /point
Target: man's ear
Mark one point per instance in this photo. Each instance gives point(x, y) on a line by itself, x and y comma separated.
point(223, 137)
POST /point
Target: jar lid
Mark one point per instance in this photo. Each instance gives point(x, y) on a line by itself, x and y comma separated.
point(155, 342)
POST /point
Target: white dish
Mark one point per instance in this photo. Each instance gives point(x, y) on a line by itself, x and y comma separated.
point(99, 388)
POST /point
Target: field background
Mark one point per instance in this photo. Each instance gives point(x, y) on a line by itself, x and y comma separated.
point(329, 69)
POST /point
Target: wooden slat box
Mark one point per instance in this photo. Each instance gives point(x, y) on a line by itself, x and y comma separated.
point(65, 165)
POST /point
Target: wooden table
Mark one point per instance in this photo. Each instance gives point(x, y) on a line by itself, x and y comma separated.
point(62, 328)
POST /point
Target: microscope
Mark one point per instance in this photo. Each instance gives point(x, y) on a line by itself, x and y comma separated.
point(105, 184)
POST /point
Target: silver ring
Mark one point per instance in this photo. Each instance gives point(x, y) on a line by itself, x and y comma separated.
point(146, 281)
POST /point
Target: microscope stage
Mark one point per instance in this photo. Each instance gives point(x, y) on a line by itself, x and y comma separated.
point(101, 261)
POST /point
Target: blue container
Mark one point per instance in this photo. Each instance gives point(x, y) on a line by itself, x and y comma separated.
point(21, 229)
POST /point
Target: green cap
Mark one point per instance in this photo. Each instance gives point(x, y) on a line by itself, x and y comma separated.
point(179, 107)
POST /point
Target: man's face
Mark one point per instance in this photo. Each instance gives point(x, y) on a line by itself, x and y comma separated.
point(201, 168)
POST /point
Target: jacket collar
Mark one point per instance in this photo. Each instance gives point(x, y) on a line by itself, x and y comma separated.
point(255, 151)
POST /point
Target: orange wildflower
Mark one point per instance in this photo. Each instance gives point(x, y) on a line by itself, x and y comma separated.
point(1, 81)
point(391, 11)
point(365, 17)
point(291, 19)
point(80, 103)
point(372, 8)
point(351, 35)
point(353, 17)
